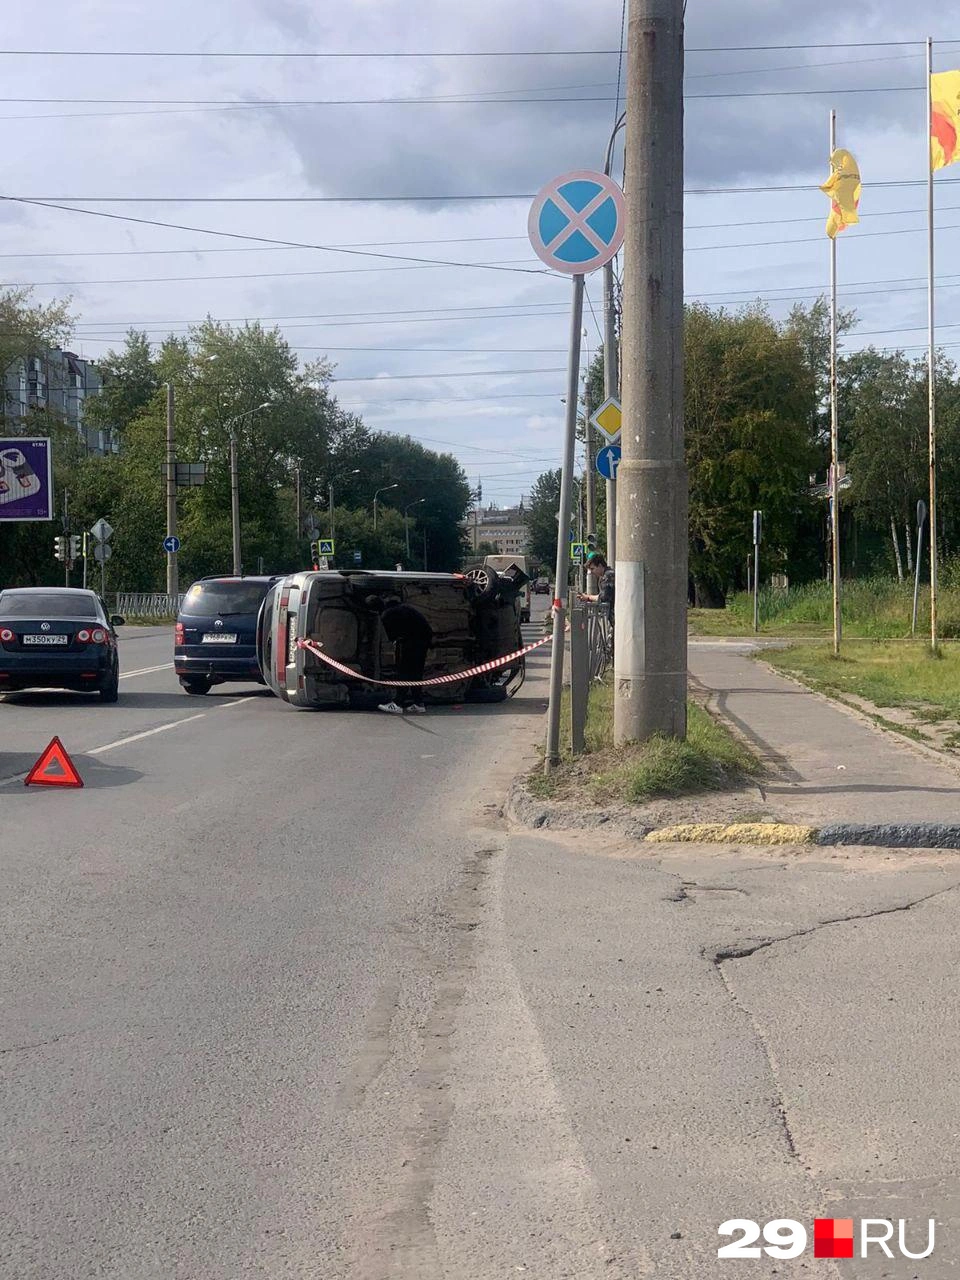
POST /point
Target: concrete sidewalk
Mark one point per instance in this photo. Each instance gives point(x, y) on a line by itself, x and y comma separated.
point(828, 765)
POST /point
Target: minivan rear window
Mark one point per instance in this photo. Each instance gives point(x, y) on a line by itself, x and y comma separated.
point(205, 599)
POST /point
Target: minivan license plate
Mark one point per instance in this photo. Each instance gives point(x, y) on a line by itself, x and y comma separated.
point(219, 637)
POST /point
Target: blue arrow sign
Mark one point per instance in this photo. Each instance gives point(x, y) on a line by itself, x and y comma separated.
point(608, 460)
point(576, 223)
point(171, 544)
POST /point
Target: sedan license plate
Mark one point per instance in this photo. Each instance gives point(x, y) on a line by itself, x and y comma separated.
point(46, 640)
point(219, 637)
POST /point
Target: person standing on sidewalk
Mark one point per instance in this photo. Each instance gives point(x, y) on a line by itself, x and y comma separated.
point(598, 568)
point(412, 634)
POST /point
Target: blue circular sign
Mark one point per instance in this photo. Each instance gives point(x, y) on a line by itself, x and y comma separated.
point(171, 544)
point(577, 222)
point(608, 459)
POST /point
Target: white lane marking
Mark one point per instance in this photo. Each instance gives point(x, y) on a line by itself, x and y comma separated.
point(135, 737)
point(147, 733)
point(145, 671)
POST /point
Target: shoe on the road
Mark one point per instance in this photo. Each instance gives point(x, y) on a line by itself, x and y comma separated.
point(391, 708)
point(417, 709)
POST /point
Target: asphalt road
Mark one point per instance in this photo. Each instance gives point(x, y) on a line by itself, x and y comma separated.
point(281, 996)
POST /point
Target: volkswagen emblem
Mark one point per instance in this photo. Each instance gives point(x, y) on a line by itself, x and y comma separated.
point(44, 626)
point(218, 623)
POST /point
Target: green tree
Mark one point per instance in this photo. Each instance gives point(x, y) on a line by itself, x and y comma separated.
point(750, 443)
point(381, 459)
point(380, 548)
point(541, 518)
point(27, 328)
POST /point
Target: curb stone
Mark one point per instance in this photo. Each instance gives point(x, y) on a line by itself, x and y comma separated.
point(529, 811)
point(906, 835)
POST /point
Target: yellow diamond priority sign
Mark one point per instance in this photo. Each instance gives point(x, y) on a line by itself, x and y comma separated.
point(607, 419)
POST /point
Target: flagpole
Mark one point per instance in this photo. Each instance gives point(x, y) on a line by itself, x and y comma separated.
point(931, 359)
point(834, 427)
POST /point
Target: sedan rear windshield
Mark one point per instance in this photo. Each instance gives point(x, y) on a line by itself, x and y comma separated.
point(42, 604)
point(208, 598)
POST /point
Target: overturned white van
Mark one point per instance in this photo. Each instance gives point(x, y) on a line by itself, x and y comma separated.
point(473, 618)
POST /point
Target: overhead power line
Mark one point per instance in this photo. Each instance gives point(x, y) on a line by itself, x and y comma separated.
point(194, 250)
point(468, 373)
point(233, 235)
point(444, 100)
point(440, 53)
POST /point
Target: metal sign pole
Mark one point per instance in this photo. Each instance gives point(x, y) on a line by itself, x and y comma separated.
point(757, 527)
point(921, 521)
point(552, 758)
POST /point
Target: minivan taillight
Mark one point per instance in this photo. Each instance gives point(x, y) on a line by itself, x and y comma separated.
point(178, 633)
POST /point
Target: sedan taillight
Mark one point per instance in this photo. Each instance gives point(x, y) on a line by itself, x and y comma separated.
point(99, 636)
point(83, 635)
point(178, 633)
point(6, 635)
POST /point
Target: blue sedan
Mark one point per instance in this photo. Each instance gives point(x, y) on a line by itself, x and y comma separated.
point(58, 638)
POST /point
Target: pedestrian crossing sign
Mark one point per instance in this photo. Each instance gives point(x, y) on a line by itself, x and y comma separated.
point(325, 546)
point(578, 552)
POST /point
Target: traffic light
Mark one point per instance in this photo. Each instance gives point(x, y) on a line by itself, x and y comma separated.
point(74, 546)
point(60, 548)
point(591, 542)
point(315, 554)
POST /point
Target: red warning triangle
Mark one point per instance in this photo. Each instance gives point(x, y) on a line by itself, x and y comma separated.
point(54, 768)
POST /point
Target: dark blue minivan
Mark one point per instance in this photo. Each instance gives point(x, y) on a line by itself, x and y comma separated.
point(216, 632)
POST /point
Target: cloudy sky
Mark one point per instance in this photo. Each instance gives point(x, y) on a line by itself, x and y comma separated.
point(436, 157)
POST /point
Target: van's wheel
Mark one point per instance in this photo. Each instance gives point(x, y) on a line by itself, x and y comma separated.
point(196, 684)
point(485, 581)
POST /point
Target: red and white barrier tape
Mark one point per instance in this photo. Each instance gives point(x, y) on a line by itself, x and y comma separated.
point(455, 678)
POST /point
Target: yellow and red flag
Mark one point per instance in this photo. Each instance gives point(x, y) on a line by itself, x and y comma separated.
point(843, 188)
point(944, 118)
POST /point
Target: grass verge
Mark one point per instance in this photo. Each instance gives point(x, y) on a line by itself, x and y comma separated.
point(710, 759)
point(873, 608)
point(888, 675)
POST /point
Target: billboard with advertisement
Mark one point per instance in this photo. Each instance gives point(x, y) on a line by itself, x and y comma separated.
point(26, 478)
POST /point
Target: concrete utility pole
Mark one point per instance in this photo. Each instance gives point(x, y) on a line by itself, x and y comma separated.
point(650, 651)
point(173, 572)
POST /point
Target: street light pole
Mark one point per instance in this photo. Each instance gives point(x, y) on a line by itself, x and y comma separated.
point(354, 472)
point(235, 501)
point(173, 584)
point(376, 498)
point(650, 650)
point(235, 483)
point(406, 523)
point(611, 356)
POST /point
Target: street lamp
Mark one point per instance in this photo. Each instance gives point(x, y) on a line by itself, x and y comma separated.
point(231, 425)
point(354, 472)
point(611, 359)
point(406, 525)
point(376, 497)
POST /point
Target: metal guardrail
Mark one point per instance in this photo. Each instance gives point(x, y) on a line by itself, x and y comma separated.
point(147, 604)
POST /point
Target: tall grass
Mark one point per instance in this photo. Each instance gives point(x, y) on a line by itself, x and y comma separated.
point(872, 608)
point(710, 759)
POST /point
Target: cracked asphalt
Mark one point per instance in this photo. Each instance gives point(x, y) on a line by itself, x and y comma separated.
point(284, 996)
point(749, 1034)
